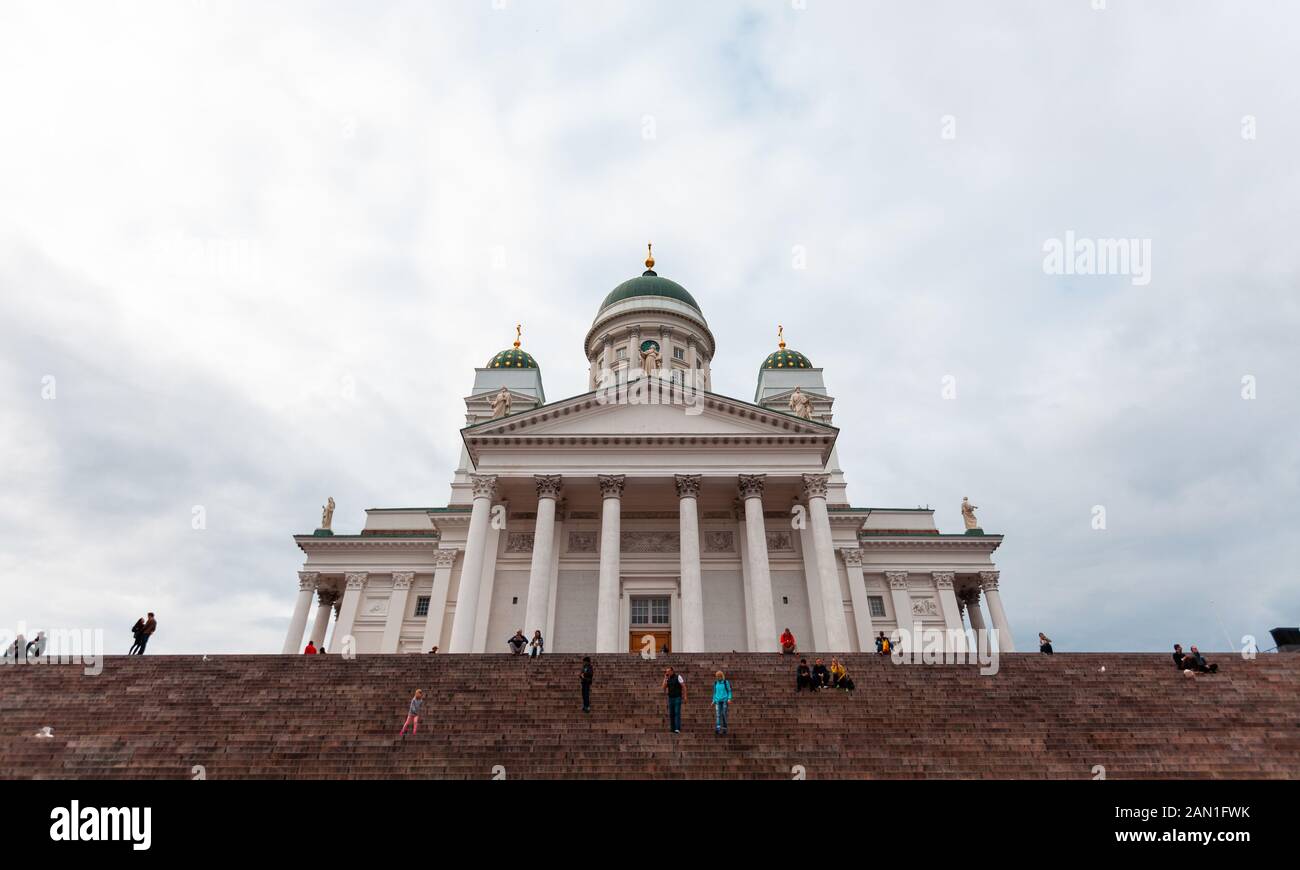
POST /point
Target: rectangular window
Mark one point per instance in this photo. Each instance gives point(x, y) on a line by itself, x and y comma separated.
point(877, 605)
point(650, 611)
point(679, 353)
point(422, 606)
point(622, 353)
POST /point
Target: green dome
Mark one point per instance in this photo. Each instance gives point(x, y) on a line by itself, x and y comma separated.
point(649, 284)
point(513, 358)
point(786, 359)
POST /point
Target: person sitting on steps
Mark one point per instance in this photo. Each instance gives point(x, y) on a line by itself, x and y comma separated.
point(803, 677)
point(820, 674)
point(788, 646)
point(1194, 661)
point(536, 646)
point(840, 678)
point(518, 642)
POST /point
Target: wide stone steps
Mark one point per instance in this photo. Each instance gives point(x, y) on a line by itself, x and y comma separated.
point(305, 716)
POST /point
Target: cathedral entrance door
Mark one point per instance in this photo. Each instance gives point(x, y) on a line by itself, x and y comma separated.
point(651, 623)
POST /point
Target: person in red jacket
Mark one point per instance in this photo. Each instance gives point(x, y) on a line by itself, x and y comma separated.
point(310, 650)
point(787, 643)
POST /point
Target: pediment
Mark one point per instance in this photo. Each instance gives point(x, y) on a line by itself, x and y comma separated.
point(709, 415)
point(590, 421)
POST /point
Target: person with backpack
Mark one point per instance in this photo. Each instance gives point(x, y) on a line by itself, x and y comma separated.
point(840, 678)
point(674, 687)
point(721, 702)
point(586, 678)
point(413, 713)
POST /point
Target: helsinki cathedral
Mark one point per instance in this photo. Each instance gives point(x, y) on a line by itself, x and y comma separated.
point(645, 511)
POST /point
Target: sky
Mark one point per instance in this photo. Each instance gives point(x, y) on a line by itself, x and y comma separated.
point(250, 254)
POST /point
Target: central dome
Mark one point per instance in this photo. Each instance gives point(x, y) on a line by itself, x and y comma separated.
point(650, 284)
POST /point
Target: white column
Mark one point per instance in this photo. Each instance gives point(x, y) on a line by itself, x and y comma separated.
point(442, 562)
point(837, 630)
point(633, 351)
point(746, 575)
point(765, 635)
point(307, 581)
point(356, 581)
point(692, 588)
point(608, 593)
point(539, 575)
point(902, 600)
point(396, 610)
point(858, 592)
point(951, 611)
point(326, 599)
point(971, 597)
point(989, 583)
point(471, 570)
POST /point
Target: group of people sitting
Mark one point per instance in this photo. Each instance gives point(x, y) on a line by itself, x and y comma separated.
point(518, 643)
point(1192, 662)
point(821, 677)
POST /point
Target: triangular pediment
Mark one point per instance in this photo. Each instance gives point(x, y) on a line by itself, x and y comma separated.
point(705, 415)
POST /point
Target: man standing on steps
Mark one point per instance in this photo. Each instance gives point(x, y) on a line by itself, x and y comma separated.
point(675, 689)
point(585, 678)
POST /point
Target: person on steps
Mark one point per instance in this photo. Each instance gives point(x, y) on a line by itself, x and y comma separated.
point(536, 646)
point(413, 713)
point(788, 646)
point(586, 678)
point(821, 674)
point(1044, 644)
point(135, 634)
point(143, 630)
point(310, 649)
point(840, 678)
point(721, 702)
point(517, 643)
point(803, 678)
point(674, 687)
point(1196, 662)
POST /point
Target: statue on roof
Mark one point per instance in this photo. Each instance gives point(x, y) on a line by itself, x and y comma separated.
point(968, 513)
point(327, 514)
point(501, 403)
point(800, 405)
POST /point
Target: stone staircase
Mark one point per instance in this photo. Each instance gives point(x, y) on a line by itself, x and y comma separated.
point(497, 715)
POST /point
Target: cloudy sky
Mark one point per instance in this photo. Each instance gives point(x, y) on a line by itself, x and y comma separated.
point(250, 254)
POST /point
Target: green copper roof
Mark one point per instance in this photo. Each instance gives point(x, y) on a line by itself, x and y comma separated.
point(650, 284)
point(786, 359)
point(513, 358)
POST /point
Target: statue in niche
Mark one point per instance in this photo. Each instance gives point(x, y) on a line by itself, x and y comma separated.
point(650, 360)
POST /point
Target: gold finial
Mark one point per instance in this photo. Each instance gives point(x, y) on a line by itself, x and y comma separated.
point(519, 332)
point(649, 256)
point(780, 336)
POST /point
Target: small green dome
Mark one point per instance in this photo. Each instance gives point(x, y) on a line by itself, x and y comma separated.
point(786, 359)
point(513, 358)
point(649, 284)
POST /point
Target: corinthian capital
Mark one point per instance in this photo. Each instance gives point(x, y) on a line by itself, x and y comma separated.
point(403, 579)
point(356, 580)
point(688, 485)
point(444, 558)
point(611, 485)
point(548, 485)
point(485, 485)
point(852, 556)
point(308, 580)
point(943, 579)
point(989, 580)
point(897, 579)
point(751, 485)
point(815, 485)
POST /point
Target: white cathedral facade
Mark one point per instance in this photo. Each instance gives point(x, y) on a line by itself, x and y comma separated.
point(646, 510)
